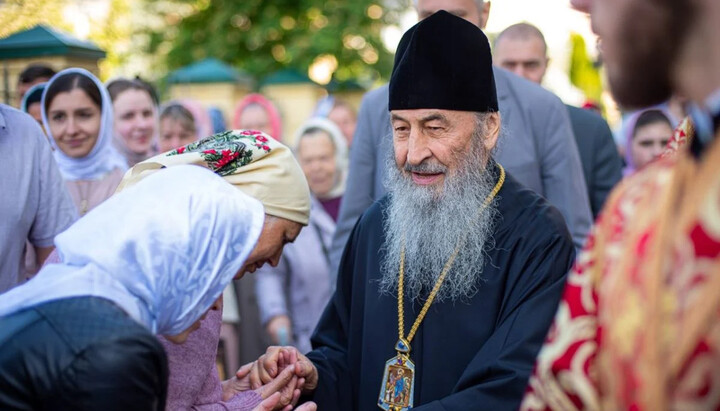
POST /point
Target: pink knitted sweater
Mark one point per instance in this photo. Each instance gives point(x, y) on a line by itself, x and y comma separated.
point(194, 383)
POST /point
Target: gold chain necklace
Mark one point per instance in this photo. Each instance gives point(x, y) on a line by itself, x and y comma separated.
point(398, 383)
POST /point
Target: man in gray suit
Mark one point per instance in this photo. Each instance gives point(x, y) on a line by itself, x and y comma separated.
point(538, 148)
point(521, 49)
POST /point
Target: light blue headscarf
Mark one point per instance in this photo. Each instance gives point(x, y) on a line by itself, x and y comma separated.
point(37, 88)
point(163, 250)
point(103, 157)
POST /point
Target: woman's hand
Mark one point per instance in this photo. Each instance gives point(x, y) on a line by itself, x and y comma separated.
point(272, 402)
point(266, 368)
point(285, 384)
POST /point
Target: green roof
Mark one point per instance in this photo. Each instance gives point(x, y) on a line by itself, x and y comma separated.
point(287, 76)
point(209, 70)
point(42, 40)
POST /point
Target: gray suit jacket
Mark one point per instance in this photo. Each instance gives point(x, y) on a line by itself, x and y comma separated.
point(537, 147)
point(600, 159)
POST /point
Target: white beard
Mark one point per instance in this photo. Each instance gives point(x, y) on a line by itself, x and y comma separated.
point(431, 223)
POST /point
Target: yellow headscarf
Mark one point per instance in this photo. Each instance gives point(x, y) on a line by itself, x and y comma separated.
point(252, 161)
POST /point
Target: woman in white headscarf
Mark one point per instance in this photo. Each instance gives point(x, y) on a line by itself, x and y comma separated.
point(78, 117)
point(80, 335)
point(322, 152)
point(259, 166)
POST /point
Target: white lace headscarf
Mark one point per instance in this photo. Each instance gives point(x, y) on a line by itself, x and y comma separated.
point(163, 250)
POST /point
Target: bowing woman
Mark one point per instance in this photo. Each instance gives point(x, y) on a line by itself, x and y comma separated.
point(80, 335)
point(264, 169)
point(78, 117)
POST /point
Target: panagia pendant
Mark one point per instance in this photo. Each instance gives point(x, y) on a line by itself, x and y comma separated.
point(398, 384)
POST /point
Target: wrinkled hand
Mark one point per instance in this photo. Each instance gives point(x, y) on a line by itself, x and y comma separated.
point(271, 402)
point(308, 406)
point(282, 392)
point(266, 368)
point(237, 384)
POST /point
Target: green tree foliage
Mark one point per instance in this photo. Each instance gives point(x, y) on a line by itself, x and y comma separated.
point(263, 36)
point(17, 15)
point(111, 30)
point(112, 35)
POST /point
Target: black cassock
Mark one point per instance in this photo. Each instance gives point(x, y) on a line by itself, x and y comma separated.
point(471, 355)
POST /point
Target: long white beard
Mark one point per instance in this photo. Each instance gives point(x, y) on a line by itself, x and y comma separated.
point(431, 223)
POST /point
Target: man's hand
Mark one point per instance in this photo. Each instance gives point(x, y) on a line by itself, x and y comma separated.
point(266, 368)
point(279, 329)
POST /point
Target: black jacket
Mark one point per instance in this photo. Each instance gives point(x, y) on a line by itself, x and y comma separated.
point(601, 162)
point(80, 353)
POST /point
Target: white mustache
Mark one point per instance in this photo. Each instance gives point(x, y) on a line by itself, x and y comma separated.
point(432, 223)
point(425, 167)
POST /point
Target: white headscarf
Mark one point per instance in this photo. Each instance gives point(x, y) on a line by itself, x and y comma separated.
point(162, 250)
point(341, 150)
point(103, 157)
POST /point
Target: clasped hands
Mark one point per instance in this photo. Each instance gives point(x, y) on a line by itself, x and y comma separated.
point(279, 376)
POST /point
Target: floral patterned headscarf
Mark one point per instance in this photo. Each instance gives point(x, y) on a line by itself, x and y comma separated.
point(252, 161)
point(163, 265)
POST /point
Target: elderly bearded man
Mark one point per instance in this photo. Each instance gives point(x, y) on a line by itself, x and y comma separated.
point(537, 147)
point(450, 281)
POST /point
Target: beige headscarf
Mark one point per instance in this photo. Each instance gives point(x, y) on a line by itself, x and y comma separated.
point(252, 161)
point(341, 151)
